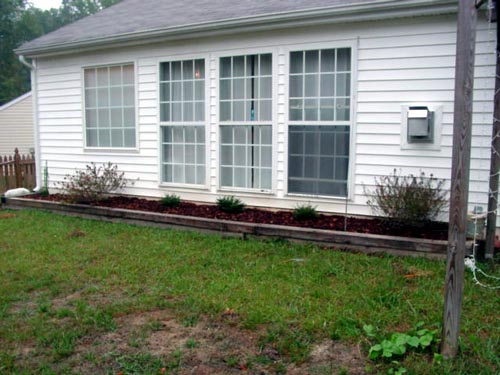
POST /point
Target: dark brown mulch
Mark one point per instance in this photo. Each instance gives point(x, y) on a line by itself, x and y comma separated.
point(432, 230)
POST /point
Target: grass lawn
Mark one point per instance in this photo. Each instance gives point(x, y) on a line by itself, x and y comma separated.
point(86, 297)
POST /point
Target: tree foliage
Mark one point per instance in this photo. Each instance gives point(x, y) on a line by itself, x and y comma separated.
point(20, 22)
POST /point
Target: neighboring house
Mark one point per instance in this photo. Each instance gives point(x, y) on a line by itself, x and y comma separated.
point(16, 126)
point(277, 102)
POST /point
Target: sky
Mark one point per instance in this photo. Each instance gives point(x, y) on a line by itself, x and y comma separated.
point(46, 4)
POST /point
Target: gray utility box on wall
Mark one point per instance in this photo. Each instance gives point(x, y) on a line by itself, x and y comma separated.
point(420, 125)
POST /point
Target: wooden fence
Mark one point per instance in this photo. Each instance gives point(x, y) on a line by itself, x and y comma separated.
point(17, 171)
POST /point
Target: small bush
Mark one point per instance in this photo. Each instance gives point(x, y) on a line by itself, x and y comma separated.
point(411, 200)
point(305, 212)
point(231, 204)
point(93, 184)
point(171, 200)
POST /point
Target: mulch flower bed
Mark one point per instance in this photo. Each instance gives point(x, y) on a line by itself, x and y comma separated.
point(432, 230)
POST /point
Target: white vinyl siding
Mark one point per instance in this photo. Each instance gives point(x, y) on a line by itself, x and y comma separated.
point(182, 116)
point(16, 126)
point(110, 106)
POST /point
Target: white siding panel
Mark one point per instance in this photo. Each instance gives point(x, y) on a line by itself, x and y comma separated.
point(16, 127)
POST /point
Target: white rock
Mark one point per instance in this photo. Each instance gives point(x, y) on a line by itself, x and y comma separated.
point(16, 192)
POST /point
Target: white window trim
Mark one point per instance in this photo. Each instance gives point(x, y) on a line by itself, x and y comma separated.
point(273, 123)
point(353, 45)
point(111, 150)
point(173, 185)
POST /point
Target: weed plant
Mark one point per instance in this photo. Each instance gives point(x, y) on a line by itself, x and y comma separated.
point(305, 212)
point(171, 201)
point(231, 204)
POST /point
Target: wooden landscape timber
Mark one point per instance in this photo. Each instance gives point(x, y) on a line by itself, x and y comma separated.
point(359, 242)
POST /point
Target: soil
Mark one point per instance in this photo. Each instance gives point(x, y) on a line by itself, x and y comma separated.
point(431, 230)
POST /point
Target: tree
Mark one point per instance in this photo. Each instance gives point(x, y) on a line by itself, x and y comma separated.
point(21, 22)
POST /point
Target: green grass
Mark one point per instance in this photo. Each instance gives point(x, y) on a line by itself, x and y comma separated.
point(116, 269)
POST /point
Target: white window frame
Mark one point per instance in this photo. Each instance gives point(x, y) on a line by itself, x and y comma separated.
point(206, 123)
point(111, 150)
point(353, 45)
point(273, 122)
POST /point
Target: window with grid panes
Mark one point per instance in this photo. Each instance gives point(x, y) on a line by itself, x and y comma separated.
point(182, 117)
point(110, 106)
point(245, 97)
point(319, 121)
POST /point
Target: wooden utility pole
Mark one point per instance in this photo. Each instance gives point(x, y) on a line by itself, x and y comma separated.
point(462, 131)
point(495, 155)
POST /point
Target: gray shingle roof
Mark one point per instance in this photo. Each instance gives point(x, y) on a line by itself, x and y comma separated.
point(142, 16)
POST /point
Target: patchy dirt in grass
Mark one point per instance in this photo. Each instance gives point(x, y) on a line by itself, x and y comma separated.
point(433, 230)
point(156, 343)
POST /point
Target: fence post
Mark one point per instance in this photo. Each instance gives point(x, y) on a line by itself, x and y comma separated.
point(17, 169)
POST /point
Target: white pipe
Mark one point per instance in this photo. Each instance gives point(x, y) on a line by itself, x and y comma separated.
point(24, 62)
point(34, 97)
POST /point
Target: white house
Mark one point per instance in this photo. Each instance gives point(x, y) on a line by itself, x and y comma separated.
point(16, 126)
point(276, 102)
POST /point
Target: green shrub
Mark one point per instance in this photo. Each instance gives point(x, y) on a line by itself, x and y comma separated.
point(231, 204)
point(93, 184)
point(305, 212)
point(171, 200)
point(412, 200)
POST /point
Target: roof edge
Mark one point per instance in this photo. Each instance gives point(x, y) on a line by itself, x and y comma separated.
point(379, 9)
point(15, 100)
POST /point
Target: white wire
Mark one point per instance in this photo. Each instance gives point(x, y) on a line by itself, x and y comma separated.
point(470, 263)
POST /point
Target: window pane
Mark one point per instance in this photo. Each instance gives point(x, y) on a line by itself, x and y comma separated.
point(238, 88)
point(296, 86)
point(116, 96)
point(165, 92)
point(90, 98)
point(187, 69)
point(199, 90)
point(225, 89)
point(92, 138)
point(328, 85)
point(238, 66)
point(165, 112)
point(296, 109)
point(265, 112)
point(327, 107)
point(199, 111)
point(239, 111)
point(328, 60)
point(312, 61)
point(104, 138)
point(342, 109)
point(176, 70)
point(103, 97)
point(115, 75)
point(116, 117)
point(225, 67)
point(129, 96)
point(91, 118)
point(188, 88)
point(343, 84)
point(266, 87)
point(343, 59)
point(311, 86)
point(311, 109)
point(296, 62)
point(199, 69)
point(102, 77)
point(116, 138)
point(165, 71)
point(266, 64)
point(188, 112)
point(129, 136)
point(90, 78)
point(128, 74)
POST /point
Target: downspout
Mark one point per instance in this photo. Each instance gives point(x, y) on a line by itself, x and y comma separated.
point(34, 98)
